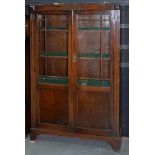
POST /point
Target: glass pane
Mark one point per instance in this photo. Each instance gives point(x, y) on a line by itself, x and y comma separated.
point(53, 48)
point(106, 39)
point(56, 22)
point(94, 50)
point(87, 45)
point(89, 17)
point(55, 66)
point(89, 25)
point(89, 68)
point(106, 69)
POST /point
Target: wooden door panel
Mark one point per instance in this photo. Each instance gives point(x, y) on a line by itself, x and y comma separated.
point(53, 106)
point(93, 110)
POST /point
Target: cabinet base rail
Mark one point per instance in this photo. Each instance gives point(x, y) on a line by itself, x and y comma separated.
point(115, 142)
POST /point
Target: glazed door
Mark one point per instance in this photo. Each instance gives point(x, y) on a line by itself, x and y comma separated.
point(94, 72)
point(54, 35)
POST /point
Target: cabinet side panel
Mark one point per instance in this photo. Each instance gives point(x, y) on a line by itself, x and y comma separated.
point(116, 70)
point(34, 69)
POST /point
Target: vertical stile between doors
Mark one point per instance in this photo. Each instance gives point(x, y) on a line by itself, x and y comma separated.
point(70, 68)
point(75, 63)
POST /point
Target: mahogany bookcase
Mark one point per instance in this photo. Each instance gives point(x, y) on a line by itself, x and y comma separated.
point(75, 54)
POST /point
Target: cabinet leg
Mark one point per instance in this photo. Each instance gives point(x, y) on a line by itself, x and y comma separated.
point(115, 144)
point(33, 137)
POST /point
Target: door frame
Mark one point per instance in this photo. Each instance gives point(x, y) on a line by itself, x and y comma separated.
point(35, 86)
point(114, 72)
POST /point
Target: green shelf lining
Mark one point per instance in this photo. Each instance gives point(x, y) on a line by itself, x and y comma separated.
point(94, 28)
point(94, 55)
point(87, 55)
point(94, 83)
point(52, 53)
point(52, 80)
point(64, 81)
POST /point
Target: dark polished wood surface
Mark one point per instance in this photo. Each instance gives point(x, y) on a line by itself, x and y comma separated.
point(27, 76)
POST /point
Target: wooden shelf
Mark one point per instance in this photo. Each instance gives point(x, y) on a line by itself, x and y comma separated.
point(94, 28)
point(53, 54)
point(94, 83)
point(97, 20)
point(93, 55)
point(52, 19)
point(64, 81)
point(94, 89)
point(52, 80)
point(51, 28)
